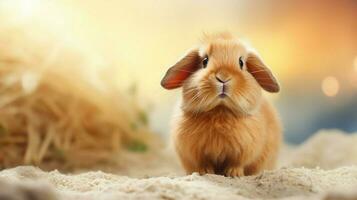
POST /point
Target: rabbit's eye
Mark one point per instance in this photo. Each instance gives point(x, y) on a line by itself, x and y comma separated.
point(205, 62)
point(241, 62)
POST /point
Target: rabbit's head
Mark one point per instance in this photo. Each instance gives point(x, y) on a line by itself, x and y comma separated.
point(221, 72)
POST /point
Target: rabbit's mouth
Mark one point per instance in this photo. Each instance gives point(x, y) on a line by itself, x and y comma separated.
point(222, 88)
point(222, 95)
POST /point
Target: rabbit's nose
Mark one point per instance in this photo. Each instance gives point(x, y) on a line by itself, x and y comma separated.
point(222, 77)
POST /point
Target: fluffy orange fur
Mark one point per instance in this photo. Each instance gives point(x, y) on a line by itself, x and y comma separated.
point(225, 126)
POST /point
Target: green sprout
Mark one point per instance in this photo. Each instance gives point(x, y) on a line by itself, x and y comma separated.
point(133, 89)
point(143, 118)
point(137, 146)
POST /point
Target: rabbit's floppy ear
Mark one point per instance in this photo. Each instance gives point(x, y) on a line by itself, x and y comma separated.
point(178, 73)
point(261, 73)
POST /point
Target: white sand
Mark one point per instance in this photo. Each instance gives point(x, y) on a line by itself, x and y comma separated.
point(334, 152)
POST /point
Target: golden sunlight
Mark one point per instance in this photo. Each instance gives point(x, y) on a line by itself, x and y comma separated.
point(84, 113)
point(27, 7)
point(23, 8)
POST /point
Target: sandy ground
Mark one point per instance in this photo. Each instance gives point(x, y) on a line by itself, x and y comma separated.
point(321, 168)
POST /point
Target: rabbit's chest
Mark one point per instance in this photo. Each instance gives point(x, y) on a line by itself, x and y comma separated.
point(221, 145)
point(218, 146)
point(219, 141)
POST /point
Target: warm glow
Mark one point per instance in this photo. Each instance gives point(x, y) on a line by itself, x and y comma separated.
point(23, 9)
point(139, 38)
point(330, 86)
point(27, 7)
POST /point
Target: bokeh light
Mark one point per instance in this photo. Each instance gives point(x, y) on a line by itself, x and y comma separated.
point(330, 86)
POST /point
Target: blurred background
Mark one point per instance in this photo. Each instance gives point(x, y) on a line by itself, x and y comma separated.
point(311, 46)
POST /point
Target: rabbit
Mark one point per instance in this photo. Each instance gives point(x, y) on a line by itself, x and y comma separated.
point(225, 125)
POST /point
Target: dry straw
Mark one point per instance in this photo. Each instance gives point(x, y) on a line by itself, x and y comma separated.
point(55, 114)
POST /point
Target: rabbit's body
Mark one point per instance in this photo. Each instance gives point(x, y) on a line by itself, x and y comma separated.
point(225, 125)
point(221, 142)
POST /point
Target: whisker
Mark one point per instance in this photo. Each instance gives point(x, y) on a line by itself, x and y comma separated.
point(193, 100)
point(195, 97)
point(245, 98)
point(200, 102)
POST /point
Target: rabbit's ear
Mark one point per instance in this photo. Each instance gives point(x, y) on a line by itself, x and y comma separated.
point(262, 73)
point(178, 73)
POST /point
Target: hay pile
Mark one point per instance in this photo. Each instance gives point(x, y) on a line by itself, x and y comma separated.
point(54, 113)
